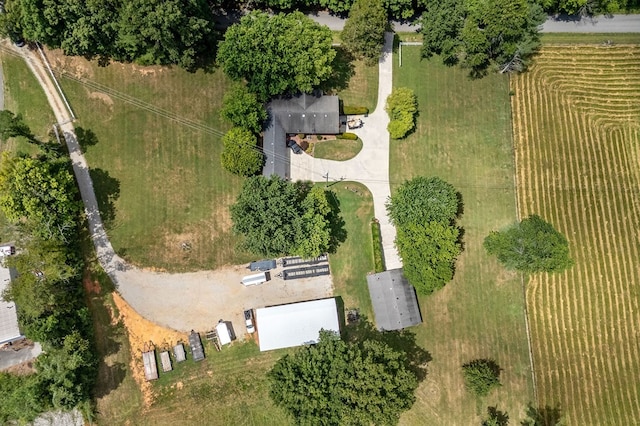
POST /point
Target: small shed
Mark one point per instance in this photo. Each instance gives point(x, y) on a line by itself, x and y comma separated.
point(225, 332)
point(150, 366)
point(196, 346)
point(178, 352)
point(165, 359)
point(256, 279)
point(394, 300)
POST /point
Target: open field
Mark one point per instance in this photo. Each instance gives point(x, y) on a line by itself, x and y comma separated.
point(577, 134)
point(463, 135)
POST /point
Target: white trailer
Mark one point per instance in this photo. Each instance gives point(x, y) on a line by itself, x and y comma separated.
point(255, 279)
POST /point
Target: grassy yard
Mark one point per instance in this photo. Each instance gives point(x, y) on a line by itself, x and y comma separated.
point(463, 135)
point(577, 133)
point(354, 258)
point(337, 149)
point(362, 87)
point(595, 38)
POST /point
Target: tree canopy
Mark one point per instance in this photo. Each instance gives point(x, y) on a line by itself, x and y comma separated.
point(334, 382)
point(283, 53)
point(497, 34)
point(530, 246)
point(423, 199)
point(277, 218)
point(240, 155)
point(481, 376)
point(423, 211)
point(363, 33)
point(242, 109)
point(402, 107)
point(144, 31)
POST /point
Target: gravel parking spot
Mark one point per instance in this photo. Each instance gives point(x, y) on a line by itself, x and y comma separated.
point(196, 301)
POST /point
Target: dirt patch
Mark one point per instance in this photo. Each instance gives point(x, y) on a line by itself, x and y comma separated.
point(141, 334)
point(106, 99)
point(22, 369)
point(75, 65)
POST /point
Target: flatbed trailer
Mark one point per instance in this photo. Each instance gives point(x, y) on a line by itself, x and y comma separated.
point(295, 261)
point(308, 272)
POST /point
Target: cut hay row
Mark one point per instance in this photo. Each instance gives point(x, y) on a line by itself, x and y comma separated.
point(577, 140)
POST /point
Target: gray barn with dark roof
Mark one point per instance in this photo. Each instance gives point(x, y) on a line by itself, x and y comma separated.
point(394, 300)
point(306, 113)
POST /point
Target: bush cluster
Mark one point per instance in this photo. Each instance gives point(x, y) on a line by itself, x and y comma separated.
point(402, 107)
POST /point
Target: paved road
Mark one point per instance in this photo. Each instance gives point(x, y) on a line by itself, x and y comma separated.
point(371, 166)
point(555, 24)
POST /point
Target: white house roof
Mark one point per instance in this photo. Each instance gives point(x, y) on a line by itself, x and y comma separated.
point(9, 329)
point(295, 324)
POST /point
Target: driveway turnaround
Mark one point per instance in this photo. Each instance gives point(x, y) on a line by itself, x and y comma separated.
point(371, 166)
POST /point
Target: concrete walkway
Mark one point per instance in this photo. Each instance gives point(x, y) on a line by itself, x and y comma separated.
point(371, 166)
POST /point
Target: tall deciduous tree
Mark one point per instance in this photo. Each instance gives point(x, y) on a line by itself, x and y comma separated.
point(43, 192)
point(530, 246)
point(423, 199)
point(363, 33)
point(277, 217)
point(335, 382)
point(240, 155)
point(242, 109)
point(428, 251)
point(277, 54)
point(499, 34)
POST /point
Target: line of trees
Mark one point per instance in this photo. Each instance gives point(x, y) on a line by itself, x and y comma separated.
point(424, 211)
point(148, 32)
point(38, 195)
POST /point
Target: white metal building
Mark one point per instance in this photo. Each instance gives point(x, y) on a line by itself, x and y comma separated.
point(9, 330)
point(295, 324)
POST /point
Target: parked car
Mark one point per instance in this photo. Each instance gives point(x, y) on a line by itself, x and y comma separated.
point(297, 149)
point(248, 319)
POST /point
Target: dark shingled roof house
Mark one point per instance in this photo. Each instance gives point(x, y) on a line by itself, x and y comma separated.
point(394, 300)
point(306, 113)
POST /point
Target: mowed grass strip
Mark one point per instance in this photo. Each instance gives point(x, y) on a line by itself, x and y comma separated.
point(163, 176)
point(577, 131)
point(463, 135)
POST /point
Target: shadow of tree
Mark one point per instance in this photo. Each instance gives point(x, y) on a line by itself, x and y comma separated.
point(86, 138)
point(343, 70)
point(107, 190)
point(336, 223)
point(496, 417)
point(543, 416)
point(403, 340)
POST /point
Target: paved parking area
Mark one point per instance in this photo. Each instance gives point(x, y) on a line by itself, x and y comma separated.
point(198, 300)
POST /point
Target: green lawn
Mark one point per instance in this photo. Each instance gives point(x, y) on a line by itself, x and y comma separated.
point(362, 88)
point(587, 38)
point(354, 258)
point(161, 172)
point(337, 149)
point(463, 135)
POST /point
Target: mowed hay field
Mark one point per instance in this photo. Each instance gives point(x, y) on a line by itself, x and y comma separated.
point(576, 118)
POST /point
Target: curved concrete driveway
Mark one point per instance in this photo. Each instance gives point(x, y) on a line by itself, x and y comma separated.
point(371, 166)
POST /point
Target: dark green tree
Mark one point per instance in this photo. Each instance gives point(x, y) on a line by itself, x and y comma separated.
point(401, 9)
point(530, 246)
point(481, 376)
point(495, 417)
point(277, 217)
point(240, 155)
point(334, 382)
point(43, 192)
point(423, 199)
point(428, 251)
point(402, 107)
point(337, 6)
point(363, 33)
point(242, 109)
point(277, 54)
point(496, 34)
point(21, 398)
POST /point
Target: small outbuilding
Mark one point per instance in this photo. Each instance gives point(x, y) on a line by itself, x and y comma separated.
point(197, 351)
point(295, 324)
point(150, 366)
point(394, 300)
point(178, 352)
point(225, 332)
point(165, 360)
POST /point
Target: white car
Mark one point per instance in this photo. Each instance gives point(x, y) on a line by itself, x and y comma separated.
point(248, 319)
